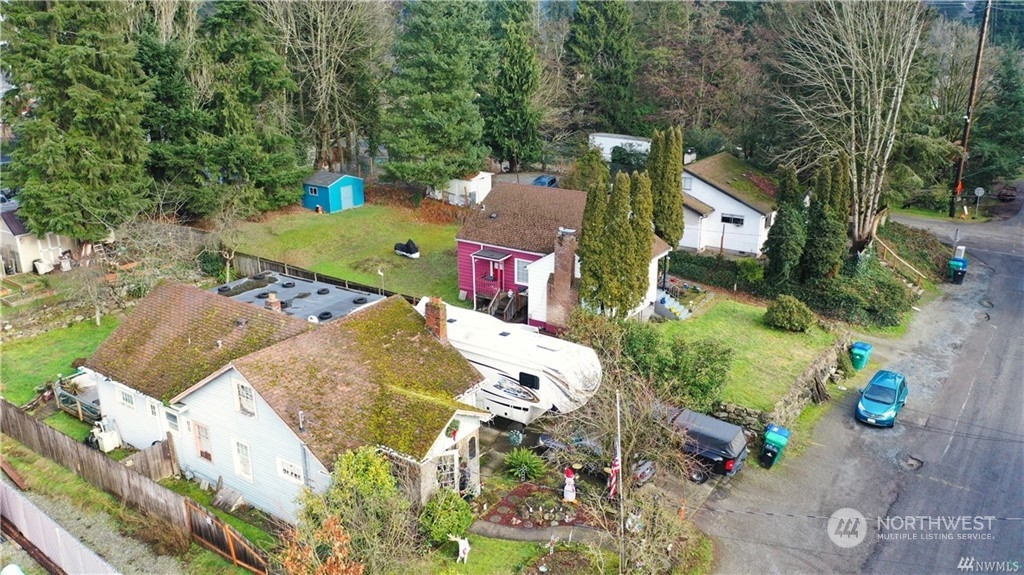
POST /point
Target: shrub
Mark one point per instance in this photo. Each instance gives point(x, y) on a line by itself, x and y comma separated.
point(524, 465)
point(445, 513)
point(750, 270)
point(212, 264)
point(844, 363)
point(789, 313)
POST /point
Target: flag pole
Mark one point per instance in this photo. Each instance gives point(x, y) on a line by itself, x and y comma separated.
point(618, 457)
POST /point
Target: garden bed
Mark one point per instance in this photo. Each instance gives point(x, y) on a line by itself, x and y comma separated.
point(532, 506)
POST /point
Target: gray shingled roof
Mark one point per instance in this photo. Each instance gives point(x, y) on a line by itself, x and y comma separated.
point(323, 179)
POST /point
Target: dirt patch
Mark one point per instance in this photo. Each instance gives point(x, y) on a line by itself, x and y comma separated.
point(561, 562)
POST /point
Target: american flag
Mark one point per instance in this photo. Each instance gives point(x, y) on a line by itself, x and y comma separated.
point(614, 476)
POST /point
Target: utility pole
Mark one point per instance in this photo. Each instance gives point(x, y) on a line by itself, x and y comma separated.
point(958, 182)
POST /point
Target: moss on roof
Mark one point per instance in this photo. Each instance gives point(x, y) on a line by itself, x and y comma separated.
point(178, 335)
point(376, 376)
point(737, 179)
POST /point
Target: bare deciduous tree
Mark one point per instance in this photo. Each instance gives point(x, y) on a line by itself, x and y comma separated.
point(844, 67)
point(335, 48)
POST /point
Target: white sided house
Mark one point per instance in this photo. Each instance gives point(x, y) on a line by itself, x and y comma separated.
point(288, 396)
point(607, 142)
point(20, 249)
point(468, 191)
point(728, 205)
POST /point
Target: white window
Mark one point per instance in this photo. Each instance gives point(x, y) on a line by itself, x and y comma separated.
point(153, 409)
point(448, 470)
point(522, 273)
point(314, 192)
point(203, 443)
point(243, 462)
point(245, 399)
point(290, 471)
point(127, 398)
point(687, 182)
point(732, 219)
point(172, 421)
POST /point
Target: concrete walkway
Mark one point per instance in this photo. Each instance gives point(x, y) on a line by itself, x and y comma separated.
point(543, 534)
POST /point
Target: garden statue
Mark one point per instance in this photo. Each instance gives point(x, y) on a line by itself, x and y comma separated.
point(463, 548)
point(569, 491)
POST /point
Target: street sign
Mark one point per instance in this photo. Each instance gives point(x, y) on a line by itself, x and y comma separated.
point(979, 192)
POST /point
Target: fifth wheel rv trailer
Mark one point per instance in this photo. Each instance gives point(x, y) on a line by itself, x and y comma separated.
point(527, 373)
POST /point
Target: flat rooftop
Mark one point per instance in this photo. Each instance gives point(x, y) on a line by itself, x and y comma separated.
point(299, 297)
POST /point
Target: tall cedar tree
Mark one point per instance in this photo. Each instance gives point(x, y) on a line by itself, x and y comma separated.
point(841, 196)
point(591, 175)
point(251, 157)
point(997, 147)
point(667, 187)
point(601, 51)
point(788, 233)
point(512, 125)
point(620, 245)
point(80, 160)
point(656, 164)
point(826, 234)
point(434, 127)
point(643, 237)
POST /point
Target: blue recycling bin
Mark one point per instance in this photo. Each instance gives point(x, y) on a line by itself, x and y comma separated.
point(860, 352)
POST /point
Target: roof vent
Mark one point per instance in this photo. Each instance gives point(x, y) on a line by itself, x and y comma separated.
point(565, 231)
point(302, 421)
point(312, 319)
point(240, 322)
point(493, 216)
point(220, 343)
point(505, 334)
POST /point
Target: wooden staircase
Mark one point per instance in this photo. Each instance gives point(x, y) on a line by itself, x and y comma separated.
point(911, 277)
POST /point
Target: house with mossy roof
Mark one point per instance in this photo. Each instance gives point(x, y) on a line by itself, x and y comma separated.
point(273, 421)
point(728, 205)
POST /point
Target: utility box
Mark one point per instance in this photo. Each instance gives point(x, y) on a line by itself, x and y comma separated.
point(960, 252)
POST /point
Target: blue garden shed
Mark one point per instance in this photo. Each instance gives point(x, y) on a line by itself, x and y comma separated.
point(332, 192)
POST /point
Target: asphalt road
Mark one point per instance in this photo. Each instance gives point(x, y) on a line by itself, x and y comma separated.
point(957, 450)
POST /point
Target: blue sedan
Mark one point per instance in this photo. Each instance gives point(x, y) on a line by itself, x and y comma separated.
point(882, 399)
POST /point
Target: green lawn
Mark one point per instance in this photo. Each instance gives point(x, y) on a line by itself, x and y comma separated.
point(354, 244)
point(31, 362)
point(766, 361)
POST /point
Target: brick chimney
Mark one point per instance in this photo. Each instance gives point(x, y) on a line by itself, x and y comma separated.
point(273, 304)
point(437, 318)
point(562, 294)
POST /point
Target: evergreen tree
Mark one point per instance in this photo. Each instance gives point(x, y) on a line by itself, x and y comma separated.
point(251, 157)
point(600, 57)
point(666, 172)
point(826, 234)
point(434, 127)
point(81, 147)
point(595, 270)
point(613, 295)
point(172, 121)
point(841, 191)
point(643, 238)
point(512, 124)
point(997, 146)
point(788, 233)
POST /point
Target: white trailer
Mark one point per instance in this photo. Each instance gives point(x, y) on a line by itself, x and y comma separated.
point(527, 373)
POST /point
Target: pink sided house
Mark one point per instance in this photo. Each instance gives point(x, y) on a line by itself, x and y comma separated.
point(516, 226)
point(517, 255)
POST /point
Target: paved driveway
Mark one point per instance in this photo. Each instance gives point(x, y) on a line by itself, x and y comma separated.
point(957, 450)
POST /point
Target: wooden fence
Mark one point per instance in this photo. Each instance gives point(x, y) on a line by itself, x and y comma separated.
point(138, 491)
point(156, 461)
point(890, 257)
point(248, 265)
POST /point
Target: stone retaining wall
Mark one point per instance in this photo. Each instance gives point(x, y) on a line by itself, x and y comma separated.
point(789, 406)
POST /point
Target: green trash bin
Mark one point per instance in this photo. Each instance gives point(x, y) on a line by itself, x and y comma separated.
point(955, 265)
point(860, 352)
point(775, 440)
